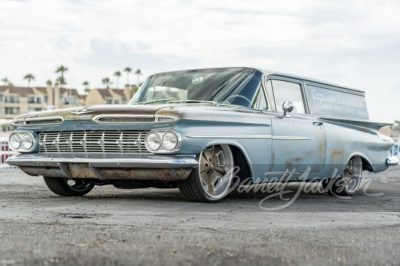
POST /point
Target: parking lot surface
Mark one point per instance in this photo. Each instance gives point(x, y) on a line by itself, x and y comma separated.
point(158, 226)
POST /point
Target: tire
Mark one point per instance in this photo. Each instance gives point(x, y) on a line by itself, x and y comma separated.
point(349, 182)
point(211, 180)
point(66, 187)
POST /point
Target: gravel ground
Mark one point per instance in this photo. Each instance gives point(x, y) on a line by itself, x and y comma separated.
point(158, 226)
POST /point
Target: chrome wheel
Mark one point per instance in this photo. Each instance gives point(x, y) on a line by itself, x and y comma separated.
point(78, 185)
point(215, 165)
point(211, 181)
point(352, 175)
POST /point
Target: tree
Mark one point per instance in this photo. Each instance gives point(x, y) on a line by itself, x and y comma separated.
point(138, 73)
point(128, 70)
point(61, 69)
point(49, 83)
point(107, 82)
point(117, 74)
point(29, 77)
point(61, 80)
point(5, 80)
point(86, 84)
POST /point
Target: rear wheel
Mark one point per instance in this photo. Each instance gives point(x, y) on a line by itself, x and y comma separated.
point(67, 187)
point(211, 180)
point(349, 182)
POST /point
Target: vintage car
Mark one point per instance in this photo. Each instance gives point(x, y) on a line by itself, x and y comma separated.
point(202, 131)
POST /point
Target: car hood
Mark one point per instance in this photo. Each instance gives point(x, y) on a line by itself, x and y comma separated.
point(180, 111)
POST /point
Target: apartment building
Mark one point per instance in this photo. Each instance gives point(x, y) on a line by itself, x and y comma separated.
point(20, 100)
point(109, 96)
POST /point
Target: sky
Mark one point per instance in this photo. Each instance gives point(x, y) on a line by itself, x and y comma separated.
point(355, 43)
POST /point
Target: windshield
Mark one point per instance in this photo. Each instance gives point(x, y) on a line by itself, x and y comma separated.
point(233, 86)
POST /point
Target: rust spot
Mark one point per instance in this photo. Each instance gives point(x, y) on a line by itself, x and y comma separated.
point(337, 153)
point(298, 159)
point(288, 164)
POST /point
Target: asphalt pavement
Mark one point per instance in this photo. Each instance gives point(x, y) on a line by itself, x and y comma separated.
point(158, 226)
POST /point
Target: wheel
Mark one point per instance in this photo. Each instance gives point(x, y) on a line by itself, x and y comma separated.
point(211, 180)
point(67, 187)
point(349, 182)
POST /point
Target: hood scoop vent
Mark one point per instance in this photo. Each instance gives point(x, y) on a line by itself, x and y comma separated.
point(132, 119)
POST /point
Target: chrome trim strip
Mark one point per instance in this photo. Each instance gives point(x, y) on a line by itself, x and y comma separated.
point(232, 136)
point(147, 162)
point(289, 138)
point(250, 137)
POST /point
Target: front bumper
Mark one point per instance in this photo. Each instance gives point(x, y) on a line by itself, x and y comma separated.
point(143, 167)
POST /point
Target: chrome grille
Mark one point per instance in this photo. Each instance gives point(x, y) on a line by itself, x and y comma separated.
point(93, 142)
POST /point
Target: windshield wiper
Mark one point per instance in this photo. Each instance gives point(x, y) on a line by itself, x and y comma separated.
point(154, 101)
point(195, 101)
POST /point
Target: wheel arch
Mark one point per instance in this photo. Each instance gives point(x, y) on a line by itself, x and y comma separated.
point(366, 163)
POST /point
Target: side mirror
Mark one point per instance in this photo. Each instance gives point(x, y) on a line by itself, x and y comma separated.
point(287, 108)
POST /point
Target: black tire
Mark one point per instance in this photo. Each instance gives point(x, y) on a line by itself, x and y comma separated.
point(194, 188)
point(348, 183)
point(61, 187)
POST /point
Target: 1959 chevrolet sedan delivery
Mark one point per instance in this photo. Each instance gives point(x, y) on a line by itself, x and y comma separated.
point(202, 130)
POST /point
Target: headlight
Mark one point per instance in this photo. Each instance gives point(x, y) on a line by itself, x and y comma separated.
point(15, 141)
point(27, 141)
point(153, 141)
point(170, 141)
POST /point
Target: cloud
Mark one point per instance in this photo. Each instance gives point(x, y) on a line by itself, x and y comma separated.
point(355, 43)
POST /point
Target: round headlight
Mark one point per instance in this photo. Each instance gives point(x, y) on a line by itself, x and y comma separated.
point(170, 141)
point(153, 141)
point(14, 141)
point(27, 141)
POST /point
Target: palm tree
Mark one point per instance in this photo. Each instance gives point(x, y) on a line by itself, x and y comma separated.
point(49, 83)
point(117, 74)
point(29, 77)
point(61, 69)
point(138, 73)
point(61, 80)
point(5, 80)
point(107, 82)
point(86, 84)
point(127, 70)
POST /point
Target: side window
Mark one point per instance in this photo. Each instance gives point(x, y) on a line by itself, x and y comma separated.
point(288, 91)
point(260, 101)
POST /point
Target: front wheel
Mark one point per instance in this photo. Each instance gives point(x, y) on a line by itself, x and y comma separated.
point(211, 180)
point(67, 187)
point(349, 182)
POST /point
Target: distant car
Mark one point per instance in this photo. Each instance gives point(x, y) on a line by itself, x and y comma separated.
point(200, 130)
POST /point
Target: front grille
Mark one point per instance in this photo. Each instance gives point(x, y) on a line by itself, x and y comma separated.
point(125, 142)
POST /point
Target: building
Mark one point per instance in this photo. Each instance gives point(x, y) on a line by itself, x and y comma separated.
point(109, 96)
point(21, 100)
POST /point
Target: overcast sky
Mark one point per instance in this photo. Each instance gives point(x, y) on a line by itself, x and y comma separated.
point(356, 43)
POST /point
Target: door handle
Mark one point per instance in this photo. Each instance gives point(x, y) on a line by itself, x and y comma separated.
point(318, 123)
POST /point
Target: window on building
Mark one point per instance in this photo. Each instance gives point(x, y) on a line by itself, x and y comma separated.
point(34, 99)
point(11, 110)
point(73, 100)
point(11, 99)
point(34, 109)
point(109, 101)
point(288, 91)
point(46, 98)
point(1, 97)
point(123, 100)
point(116, 101)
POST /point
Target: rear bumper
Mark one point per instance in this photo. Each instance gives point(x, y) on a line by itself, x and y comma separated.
point(144, 167)
point(392, 161)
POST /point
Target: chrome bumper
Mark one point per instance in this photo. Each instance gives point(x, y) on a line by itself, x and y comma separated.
point(392, 161)
point(142, 167)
